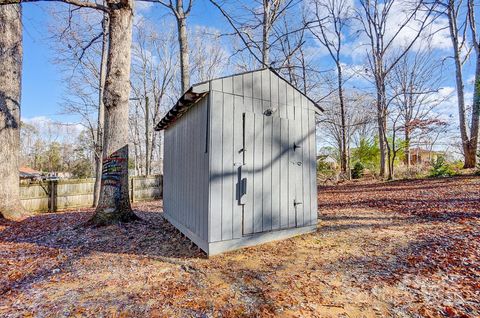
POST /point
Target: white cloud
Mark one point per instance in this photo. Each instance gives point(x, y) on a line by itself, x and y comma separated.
point(52, 130)
point(143, 6)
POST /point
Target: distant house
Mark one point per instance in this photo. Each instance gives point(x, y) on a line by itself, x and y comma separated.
point(328, 160)
point(420, 156)
point(29, 173)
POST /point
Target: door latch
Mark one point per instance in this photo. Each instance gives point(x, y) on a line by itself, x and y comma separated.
point(295, 203)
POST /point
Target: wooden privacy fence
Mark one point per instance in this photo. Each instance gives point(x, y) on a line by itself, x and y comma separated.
point(58, 195)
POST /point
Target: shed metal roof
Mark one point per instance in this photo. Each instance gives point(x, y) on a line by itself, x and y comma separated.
point(198, 91)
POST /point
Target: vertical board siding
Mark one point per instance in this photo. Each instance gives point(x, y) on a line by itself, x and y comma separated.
point(248, 211)
point(313, 167)
point(227, 173)
point(298, 177)
point(292, 219)
point(276, 157)
point(265, 85)
point(284, 167)
point(274, 91)
point(238, 85)
point(202, 181)
point(185, 186)
point(266, 173)
point(248, 84)
point(257, 175)
point(216, 147)
point(257, 85)
point(305, 167)
point(238, 166)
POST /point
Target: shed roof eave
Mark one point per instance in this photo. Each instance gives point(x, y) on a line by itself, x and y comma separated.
point(188, 99)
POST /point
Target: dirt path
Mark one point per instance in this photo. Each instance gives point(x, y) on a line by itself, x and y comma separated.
point(400, 249)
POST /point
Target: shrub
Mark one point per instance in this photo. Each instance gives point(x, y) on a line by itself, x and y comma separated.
point(357, 171)
point(440, 168)
point(325, 169)
point(367, 153)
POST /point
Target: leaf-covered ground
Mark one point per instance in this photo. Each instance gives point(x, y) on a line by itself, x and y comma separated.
point(399, 249)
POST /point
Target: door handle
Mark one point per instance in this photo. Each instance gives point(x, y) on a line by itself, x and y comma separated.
point(295, 146)
point(299, 163)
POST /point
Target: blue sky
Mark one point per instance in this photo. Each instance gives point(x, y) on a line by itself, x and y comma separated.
point(43, 88)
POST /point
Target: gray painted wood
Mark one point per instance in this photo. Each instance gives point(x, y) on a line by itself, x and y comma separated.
point(275, 163)
point(292, 219)
point(216, 150)
point(227, 173)
point(257, 85)
point(265, 74)
point(284, 182)
point(257, 178)
point(248, 211)
point(266, 173)
point(238, 161)
point(238, 85)
point(248, 84)
point(184, 186)
point(206, 164)
point(305, 167)
point(313, 168)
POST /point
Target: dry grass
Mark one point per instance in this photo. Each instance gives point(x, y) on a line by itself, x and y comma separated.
point(399, 249)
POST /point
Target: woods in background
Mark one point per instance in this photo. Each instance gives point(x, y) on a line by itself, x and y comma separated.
point(378, 68)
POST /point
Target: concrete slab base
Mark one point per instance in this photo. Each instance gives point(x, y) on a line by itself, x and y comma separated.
point(214, 248)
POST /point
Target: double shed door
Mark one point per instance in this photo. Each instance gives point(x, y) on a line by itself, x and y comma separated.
point(269, 162)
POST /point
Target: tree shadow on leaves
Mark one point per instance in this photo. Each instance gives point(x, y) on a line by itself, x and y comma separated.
point(152, 236)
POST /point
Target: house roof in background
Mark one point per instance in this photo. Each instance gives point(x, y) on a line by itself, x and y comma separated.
point(28, 170)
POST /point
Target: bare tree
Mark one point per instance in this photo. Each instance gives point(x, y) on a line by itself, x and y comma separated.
point(374, 17)
point(254, 23)
point(101, 111)
point(154, 64)
point(181, 12)
point(10, 92)
point(81, 42)
point(470, 147)
point(209, 58)
point(329, 26)
point(413, 94)
point(114, 203)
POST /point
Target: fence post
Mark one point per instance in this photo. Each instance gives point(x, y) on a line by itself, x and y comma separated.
point(132, 196)
point(52, 198)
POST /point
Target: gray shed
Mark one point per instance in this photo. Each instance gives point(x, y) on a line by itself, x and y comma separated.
point(240, 162)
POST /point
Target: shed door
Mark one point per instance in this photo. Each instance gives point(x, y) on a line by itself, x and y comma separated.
point(269, 184)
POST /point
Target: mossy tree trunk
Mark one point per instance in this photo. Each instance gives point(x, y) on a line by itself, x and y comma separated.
point(10, 92)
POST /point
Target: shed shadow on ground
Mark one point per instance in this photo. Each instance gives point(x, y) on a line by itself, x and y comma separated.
point(152, 236)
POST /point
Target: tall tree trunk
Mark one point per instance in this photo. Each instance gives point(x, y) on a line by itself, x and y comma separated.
point(382, 126)
point(343, 149)
point(471, 154)
point(407, 145)
point(266, 33)
point(469, 162)
point(476, 89)
point(10, 92)
point(147, 137)
point(101, 113)
point(183, 43)
point(114, 204)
